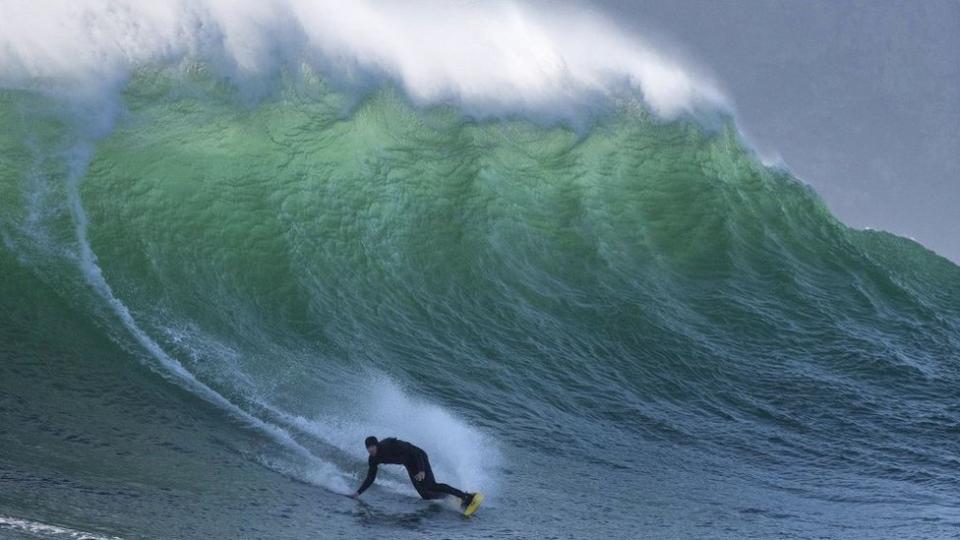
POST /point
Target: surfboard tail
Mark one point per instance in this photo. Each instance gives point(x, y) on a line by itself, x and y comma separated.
point(474, 504)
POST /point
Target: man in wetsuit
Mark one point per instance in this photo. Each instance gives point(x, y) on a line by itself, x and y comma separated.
point(399, 452)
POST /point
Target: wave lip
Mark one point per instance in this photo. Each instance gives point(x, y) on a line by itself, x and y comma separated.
point(490, 58)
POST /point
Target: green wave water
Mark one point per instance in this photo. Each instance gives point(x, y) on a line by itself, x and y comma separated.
point(631, 329)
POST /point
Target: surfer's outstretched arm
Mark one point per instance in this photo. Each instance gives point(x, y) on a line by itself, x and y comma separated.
point(371, 476)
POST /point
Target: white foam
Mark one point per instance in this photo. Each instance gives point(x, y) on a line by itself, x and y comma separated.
point(495, 57)
point(46, 529)
point(456, 450)
point(460, 455)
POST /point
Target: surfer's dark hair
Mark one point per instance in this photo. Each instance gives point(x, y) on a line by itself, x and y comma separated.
point(370, 441)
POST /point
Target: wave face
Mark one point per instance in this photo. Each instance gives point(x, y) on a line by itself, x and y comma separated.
point(629, 329)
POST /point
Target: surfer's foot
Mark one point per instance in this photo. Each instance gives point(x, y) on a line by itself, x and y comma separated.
point(465, 502)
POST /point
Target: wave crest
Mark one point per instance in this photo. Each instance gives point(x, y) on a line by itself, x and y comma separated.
point(491, 58)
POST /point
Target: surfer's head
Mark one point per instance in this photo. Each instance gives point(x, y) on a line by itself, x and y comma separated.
point(371, 444)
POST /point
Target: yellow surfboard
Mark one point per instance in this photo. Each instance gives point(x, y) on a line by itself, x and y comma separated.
point(474, 504)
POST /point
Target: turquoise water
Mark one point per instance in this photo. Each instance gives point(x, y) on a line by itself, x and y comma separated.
point(628, 328)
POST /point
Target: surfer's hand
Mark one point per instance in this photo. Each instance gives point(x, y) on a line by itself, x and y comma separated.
point(420, 476)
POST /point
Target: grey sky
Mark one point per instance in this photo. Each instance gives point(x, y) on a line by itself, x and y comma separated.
point(860, 98)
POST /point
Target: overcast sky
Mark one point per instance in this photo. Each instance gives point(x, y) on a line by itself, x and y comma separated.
point(861, 99)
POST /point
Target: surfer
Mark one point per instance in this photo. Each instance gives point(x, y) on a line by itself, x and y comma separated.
point(395, 451)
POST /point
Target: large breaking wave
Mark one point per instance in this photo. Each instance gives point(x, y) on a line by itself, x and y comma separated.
point(321, 253)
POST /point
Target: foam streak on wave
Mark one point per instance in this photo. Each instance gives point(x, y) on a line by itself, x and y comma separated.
point(324, 473)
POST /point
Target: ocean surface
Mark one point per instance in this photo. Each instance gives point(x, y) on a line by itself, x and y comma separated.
point(626, 327)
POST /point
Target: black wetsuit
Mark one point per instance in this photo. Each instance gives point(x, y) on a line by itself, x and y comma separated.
point(399, 452)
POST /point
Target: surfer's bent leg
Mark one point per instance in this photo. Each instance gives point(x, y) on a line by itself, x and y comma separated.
point(429, 488)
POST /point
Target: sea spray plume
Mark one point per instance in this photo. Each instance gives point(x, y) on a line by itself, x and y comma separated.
point(494, 58)
point(500, 55)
